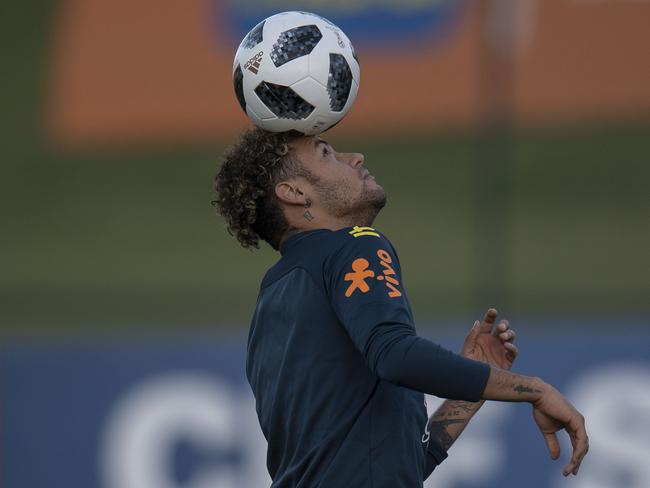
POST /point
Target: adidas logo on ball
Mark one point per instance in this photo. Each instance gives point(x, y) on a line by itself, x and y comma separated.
point(254, 63)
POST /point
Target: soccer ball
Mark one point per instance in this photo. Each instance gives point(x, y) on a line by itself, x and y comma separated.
point(296, 71)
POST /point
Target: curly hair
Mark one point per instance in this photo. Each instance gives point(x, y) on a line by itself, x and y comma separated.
point(245, 186)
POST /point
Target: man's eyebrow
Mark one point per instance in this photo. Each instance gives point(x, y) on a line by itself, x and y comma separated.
point(320, 141)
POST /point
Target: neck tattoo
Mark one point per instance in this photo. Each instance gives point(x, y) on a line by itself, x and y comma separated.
point(308, 215)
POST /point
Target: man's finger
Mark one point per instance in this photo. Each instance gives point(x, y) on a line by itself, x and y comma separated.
point(552, 445)
point(474, 332)
point(512, 351)
point(507, 336)
point(571, 465)
point(577, 468)
point(580, 443)
point(488, 320)
point(502, 327)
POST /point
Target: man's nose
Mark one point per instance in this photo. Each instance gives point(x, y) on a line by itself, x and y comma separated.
point(354, 159)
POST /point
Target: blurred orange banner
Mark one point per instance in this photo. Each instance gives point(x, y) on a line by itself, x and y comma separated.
point(145, 71)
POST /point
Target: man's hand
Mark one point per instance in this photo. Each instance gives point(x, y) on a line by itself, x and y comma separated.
point(481, 344)
point(489, 344)
point(552, 413)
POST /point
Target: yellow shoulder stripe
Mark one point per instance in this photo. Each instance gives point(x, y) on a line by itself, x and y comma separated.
point(363, 231)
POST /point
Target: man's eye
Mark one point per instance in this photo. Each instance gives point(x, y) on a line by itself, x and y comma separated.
point(325, 151)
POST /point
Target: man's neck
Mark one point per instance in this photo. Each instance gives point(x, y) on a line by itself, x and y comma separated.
point(326, 224)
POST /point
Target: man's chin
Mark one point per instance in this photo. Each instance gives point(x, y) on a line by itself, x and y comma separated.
point(378, 197)
point(361, 211)
point(373, 203)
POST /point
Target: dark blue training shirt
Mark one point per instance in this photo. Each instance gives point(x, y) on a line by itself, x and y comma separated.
point(338, 372)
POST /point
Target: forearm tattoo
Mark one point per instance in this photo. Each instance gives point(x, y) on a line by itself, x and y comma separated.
point(525, 389)
point(510, 387)
point(438, 431)
point(447, 423)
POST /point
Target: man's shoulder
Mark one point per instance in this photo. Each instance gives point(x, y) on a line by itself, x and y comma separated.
point(358, 239)
point(355, 233)
point(314, 250)
point(328, 249)
point(358, 248)
point(359, 236)
point(321, 244)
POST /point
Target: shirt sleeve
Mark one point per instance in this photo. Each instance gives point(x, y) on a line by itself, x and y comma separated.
point(434, 455)
point(364, 284)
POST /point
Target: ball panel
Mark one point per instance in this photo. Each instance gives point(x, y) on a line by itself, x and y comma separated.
point(294, 43)
point(354, 90)
point(283, 125)
point(283, 101)
point(319, 59)
point(354, 54)
point(254, 37)
point(238, 81)
point(312, 90)
point(287, 74)
point(256, 119)
point(339, 82)
point(251, 81)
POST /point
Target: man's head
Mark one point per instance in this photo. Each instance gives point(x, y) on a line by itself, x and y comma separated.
point(272, 184)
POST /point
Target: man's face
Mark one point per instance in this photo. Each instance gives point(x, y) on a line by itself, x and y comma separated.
point(343, 187)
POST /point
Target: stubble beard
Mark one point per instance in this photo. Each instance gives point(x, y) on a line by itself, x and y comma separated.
point(360, 210)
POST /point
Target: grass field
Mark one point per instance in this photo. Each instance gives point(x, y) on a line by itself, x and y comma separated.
point(130, 239)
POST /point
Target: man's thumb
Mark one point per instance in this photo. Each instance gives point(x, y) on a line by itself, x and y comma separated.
point(474, 331)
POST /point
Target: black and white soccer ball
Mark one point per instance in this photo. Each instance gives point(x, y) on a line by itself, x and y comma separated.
point(296, 71)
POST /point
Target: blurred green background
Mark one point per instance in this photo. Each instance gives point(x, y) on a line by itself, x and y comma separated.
point(554, 220)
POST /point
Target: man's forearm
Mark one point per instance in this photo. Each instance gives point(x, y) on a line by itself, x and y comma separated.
point(451, 418)
point(449, 421)
point(506, 386)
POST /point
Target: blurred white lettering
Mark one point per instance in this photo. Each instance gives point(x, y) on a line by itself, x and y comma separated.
point(139, 436)
point(615, 401)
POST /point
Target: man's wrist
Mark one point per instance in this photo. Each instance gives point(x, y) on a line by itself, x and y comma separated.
point(539, 389)
point(512, 387)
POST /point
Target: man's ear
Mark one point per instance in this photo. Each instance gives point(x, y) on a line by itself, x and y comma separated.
point(289, 192)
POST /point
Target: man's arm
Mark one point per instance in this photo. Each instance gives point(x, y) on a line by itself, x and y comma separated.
point(410, 361)
point(449, 421)
point(551, 412)
point(485, 343)
point(378, 320)
point(506, 386)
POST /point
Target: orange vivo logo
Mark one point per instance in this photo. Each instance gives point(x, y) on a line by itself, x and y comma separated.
point(361, 272)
